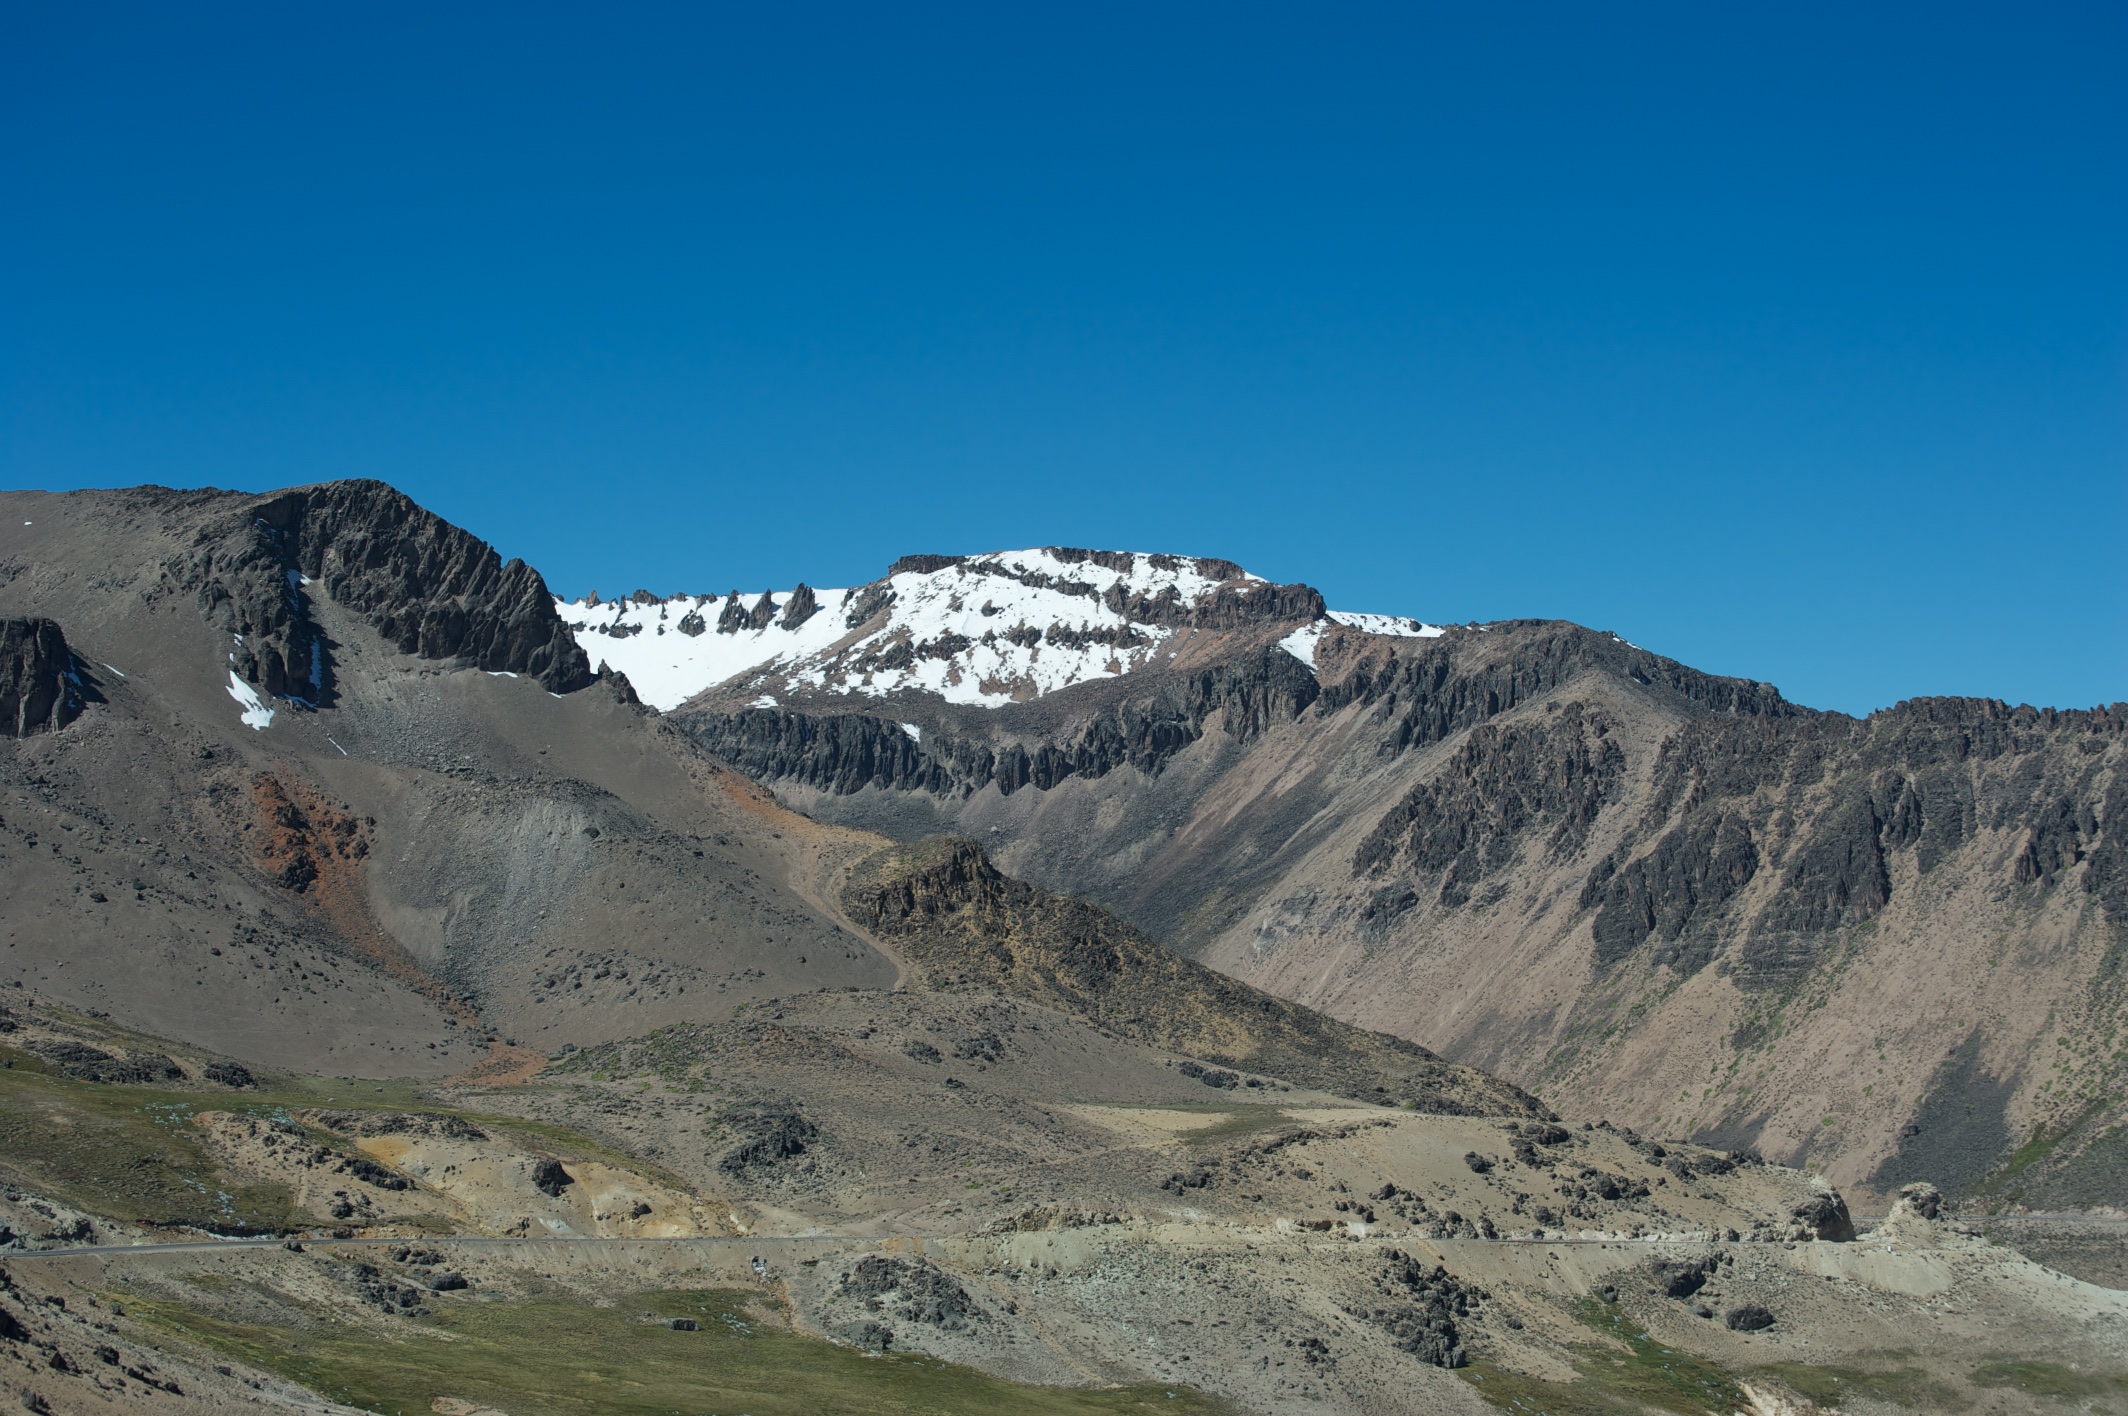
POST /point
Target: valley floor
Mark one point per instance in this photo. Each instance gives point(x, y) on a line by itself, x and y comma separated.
point(1091, 1235)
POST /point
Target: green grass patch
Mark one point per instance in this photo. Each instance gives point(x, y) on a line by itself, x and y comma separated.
point(1630, 1373)
point(2051, 1379)
point(1234, 1123)
point(129, 1153)
point(554, 1358)
point(1832, 1387)
point(1646, 1376)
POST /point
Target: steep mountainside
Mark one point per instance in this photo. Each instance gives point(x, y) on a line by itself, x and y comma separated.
point(314, 779)
point(1539, 849)
point(312, 787)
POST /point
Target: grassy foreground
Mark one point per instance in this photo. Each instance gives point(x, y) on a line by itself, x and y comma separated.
point(1629, 1374)
point(127, 1152)
point(131, 1152)
point(557, 1358)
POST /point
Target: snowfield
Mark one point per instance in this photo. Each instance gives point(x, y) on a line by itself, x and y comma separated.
point(987, 630)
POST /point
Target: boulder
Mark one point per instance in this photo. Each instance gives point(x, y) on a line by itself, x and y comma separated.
point(1749, 1317)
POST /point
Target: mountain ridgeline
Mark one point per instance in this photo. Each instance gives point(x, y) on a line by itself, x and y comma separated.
point(1601, 873)
point(1214, 816)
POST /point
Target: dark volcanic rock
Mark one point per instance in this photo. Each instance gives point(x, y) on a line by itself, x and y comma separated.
point(922, 564)
point(845, 753)
point(399, 1123)
point(381, 1292)
point(802, 606)
point(1924, 776)
point(1677, 892)
point(430, 588)
point(93, 1064)
point(1431, 689)
point(1423, 1309)
point(868, 602)
point(1826, 1217)
point(549, 1178)
point(913, 1290)
point(772, 1132)
point(1748, 1318)
point(40, 686)
point(369, 1172)
point(1467, 823)
point(1681, 1278)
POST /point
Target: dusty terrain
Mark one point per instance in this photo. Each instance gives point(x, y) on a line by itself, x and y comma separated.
point(479, 1041)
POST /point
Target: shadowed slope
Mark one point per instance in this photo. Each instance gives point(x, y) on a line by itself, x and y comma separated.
point(959, 921)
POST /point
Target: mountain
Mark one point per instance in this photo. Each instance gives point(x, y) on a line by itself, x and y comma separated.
point(398, 1011)
point(1890, 946)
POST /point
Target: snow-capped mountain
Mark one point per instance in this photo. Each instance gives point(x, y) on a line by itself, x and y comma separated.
point(982, 630)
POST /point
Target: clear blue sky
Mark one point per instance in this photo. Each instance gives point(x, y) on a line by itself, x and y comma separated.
point(1788, 340)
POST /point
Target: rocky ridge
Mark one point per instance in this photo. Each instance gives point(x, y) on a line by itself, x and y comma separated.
point(429, 588)
point(950, 913)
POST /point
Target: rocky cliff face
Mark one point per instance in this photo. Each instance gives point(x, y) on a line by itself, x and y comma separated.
point(41, 689)
point(430, 588)
point(1847, 807)
point(844, 753)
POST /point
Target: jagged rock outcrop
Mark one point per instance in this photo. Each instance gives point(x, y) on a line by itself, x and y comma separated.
point(867, 604)
point(1428, 690)
point(1676, 892)
point(1469, 821)
point(1833, 801)
point(955, 917)
point(802, 606)
point(922, 564)
point(430, 588)
point(40, 685)
point(845, 753)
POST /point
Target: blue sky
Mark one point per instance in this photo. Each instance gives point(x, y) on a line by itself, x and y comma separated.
point(1788, 340)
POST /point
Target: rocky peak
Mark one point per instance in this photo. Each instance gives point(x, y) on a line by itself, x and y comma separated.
point(430, 588)
point(988, 630)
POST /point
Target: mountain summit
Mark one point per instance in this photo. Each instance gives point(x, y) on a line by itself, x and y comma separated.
point(982, 630)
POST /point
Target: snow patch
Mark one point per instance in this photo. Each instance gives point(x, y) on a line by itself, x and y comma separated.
point(915, 733)
point(1301, 643)
point(256, 714)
